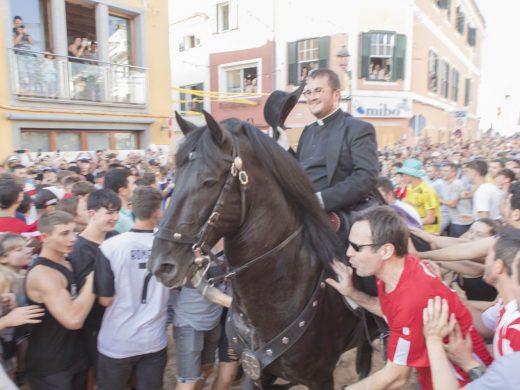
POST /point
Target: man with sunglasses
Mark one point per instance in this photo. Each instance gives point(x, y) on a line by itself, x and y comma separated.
point(378, 246)
point(337, 151)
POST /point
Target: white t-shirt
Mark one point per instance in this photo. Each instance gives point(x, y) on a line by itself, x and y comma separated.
point(135, 323)
point(487, 197)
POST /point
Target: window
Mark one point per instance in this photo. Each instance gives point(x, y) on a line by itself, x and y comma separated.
point(81, 25)
point(119, 40)
point(223, 17)
point(240, 78)
point(467, 93)
point(459, 20)
point(472, 36)
point(433, 71)
point(97, 140)
point(74, 140)
point(445, 4)
point(445, 79)
point(442, 4)
point(227, 16)
point(382, 56)
point(455, 85)
point(306, 55)
point(192, 102)
point(68, 141)
point(188, 42)
point(125, 141)
point(35, 19)
point(35, 140)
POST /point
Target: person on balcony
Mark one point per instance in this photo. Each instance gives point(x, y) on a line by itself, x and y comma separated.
point(77, 49)
point(21, 38)
point(22, 42)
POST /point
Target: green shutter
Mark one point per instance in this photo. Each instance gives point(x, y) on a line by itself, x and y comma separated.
point(399, 57)
point(292, 60)
point(364, 44)
point(323, 52)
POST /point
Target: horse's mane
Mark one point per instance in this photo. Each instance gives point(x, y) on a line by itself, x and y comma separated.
point(299, 192)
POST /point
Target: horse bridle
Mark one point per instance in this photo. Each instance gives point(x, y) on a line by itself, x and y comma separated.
point(199, 247)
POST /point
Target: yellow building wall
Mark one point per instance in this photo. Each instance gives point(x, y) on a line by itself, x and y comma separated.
point(157, 62)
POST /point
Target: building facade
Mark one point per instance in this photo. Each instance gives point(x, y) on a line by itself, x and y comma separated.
point(410, 67)
point(82, 75)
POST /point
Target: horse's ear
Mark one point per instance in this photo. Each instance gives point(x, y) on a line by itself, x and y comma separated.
point(217, 132)
point(186, 126)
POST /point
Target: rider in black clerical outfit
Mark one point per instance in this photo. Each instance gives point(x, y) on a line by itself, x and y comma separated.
point(338, 152)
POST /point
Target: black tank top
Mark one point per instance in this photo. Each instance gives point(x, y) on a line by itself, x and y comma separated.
point(52, 347)
point(476, 289)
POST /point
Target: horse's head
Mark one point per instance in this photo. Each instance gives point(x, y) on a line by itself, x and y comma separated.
point(206, 202)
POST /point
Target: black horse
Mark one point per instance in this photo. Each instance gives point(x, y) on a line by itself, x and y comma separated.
point(233, 181)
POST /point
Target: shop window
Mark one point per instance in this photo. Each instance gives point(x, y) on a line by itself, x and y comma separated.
point(35, 141)
point(382, 56)
point(242, 78)
point(46, 140)
point(97, 140)
point(306, 55)
point(192, 102)
point(125, 141)
point(68, 141)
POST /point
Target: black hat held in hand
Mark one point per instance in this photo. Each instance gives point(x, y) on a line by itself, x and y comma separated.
point(278, 106)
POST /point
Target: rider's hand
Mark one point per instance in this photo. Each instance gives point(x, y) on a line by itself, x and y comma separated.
point(283, 141)
point(344, 284)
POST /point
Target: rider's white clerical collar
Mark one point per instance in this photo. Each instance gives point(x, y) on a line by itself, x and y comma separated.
point(326, 119)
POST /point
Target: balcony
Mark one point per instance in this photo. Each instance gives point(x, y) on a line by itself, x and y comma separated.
point(46, 76)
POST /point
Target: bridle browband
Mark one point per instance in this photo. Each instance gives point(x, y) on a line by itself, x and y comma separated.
point(199, 247)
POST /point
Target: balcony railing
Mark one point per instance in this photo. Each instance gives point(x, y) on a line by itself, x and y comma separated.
point(52, 77)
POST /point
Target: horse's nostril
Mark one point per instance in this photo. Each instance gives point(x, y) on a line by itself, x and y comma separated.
point(165, 269)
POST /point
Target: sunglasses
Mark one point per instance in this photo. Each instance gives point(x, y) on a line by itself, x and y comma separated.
point(358, 247)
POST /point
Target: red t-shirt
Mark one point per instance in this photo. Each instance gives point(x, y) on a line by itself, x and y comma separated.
point(13, 225)
point(403, 308)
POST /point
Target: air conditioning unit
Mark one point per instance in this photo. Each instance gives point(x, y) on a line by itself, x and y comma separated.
point(181, 46)
point(197, 41)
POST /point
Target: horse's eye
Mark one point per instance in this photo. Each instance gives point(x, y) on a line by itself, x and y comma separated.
point(209, 183)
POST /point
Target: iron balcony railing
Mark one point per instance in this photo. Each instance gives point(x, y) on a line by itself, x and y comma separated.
point(49, 76)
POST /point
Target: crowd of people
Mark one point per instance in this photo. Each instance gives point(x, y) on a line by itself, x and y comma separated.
point(80, 308)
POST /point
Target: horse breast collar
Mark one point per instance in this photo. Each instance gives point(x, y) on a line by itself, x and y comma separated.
point(255, 361)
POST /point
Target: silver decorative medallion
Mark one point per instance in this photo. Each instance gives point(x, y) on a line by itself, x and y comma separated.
point(251, 365)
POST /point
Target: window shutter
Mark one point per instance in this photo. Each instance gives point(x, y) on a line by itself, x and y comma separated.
point(364, 43)
point(292, 60)
point(472, 36)
point(467, 92)
point(233, 15)
point(442, 4)
point(216, 21)
point(323, 52)
point(399, 57)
